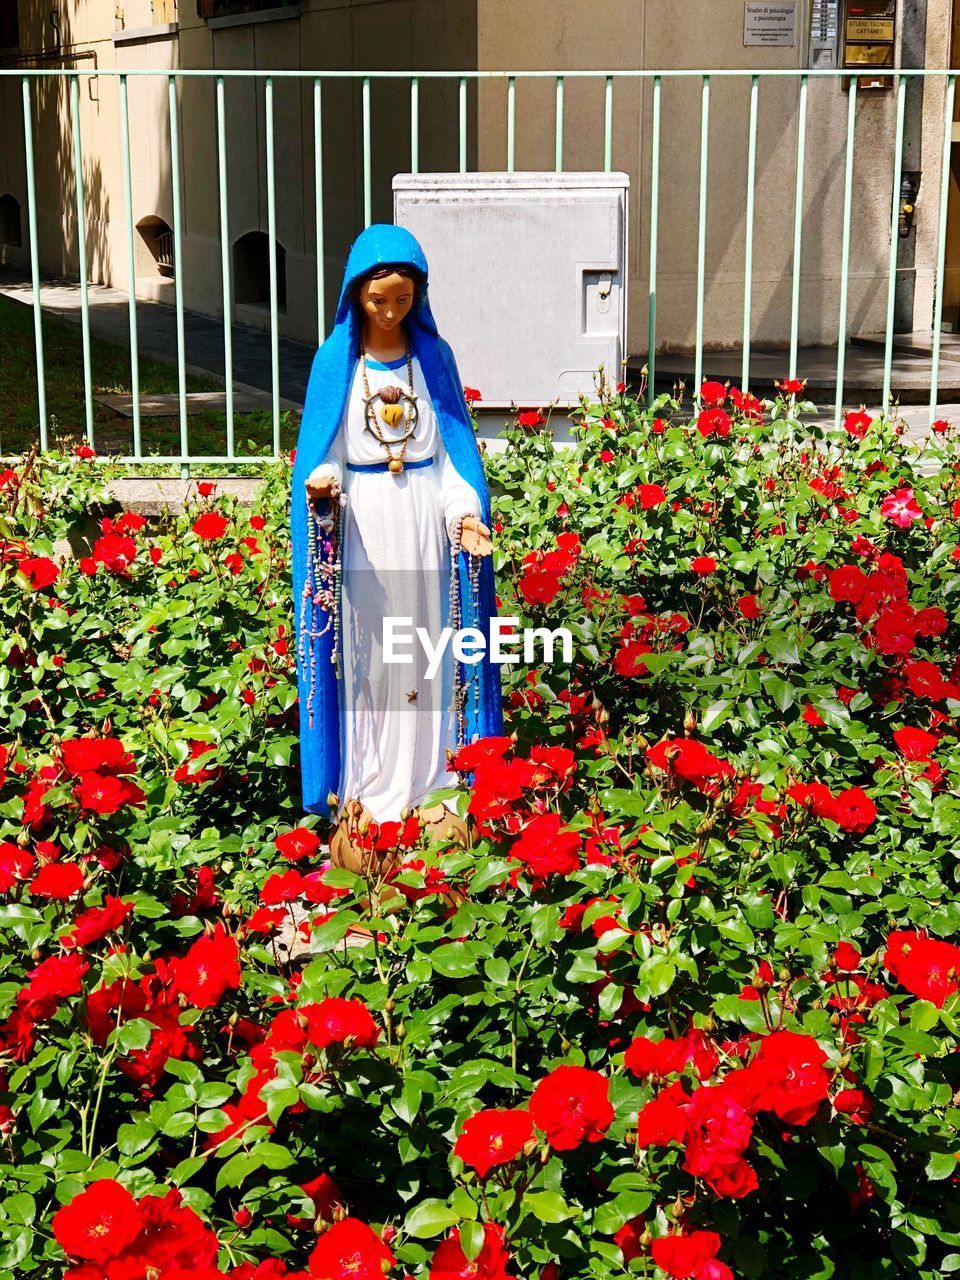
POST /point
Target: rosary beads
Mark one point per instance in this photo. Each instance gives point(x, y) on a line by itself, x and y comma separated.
point(409, 412)
point(321, 590)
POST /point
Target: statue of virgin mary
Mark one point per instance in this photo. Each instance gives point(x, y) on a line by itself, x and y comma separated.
point(390, 516)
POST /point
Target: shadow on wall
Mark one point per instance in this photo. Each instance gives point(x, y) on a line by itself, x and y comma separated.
point(47, 41)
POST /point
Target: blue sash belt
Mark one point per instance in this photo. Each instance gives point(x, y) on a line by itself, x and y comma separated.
point(384, 466)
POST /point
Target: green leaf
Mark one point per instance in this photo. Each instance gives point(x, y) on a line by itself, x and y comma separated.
point(547, 1206)
point(429, 1218)
point(941, 1165)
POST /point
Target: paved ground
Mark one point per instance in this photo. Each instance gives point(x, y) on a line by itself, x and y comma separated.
point(911, 371)
point(157, 337)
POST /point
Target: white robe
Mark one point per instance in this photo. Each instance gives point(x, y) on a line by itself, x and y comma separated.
point(395, 562)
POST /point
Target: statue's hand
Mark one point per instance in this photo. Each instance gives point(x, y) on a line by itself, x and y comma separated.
point(475, 537)
point(323, 486)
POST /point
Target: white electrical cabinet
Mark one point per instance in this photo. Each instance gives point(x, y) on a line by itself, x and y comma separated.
point(528, 277)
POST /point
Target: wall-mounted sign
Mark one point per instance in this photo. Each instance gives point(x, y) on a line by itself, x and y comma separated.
point(769, 24)
point(869, 35)
point(870, 29)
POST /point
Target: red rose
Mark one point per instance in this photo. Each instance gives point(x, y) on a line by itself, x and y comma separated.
point(99, 1223)
point(41, 571)
point(96, 755)
point(350, 1250)
point(915, 744)
point(792, 386)
point(299, 843)
point(713, 393)
point(106, 794)
point(325, 1195)
point(663, 1119)
point(209, 969)
point(16, 865)
point(702, 565)
point(665, 1057)
point(853, 810)
point(789, 1076)
point(493, 1137)
point(719, 1132)
point(115, 552)
point(854, 1104)
point(856, 423)
point(572, 1105)
point(95, 923)
point(339, 1021)
point(713, 422)
point(210, 525)
point(927, 967)
point(451, 1263)
point(682, 1256)
point(690, 760)
point(749, 606)
point(282, 888)
point(51, 982)
point(651, 495)
point(546, 848)
point(58, 880)
point(628, 1237)
point(846, 957)
point(848, 583)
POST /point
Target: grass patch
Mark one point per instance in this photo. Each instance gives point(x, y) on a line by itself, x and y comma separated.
point(110, 370)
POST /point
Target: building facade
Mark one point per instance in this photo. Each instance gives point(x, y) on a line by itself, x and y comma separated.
point(463, 35)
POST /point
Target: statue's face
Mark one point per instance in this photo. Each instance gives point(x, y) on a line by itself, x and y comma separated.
point(387, 300)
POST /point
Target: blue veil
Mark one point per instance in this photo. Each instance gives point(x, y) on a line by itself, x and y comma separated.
point(331, 376)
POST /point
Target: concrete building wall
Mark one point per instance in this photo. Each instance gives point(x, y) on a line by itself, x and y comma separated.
point(702, 34)
point(459, 35)
point(327, 34)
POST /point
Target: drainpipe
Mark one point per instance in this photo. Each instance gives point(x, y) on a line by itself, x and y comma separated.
point(913, 38)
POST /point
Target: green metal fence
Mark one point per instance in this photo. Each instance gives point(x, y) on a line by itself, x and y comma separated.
point(269, 79)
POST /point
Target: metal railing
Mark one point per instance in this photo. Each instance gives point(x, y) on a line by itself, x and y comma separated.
point(803, 78)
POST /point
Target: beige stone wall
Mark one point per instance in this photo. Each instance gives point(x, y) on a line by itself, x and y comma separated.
point(667, 34)
point(459, 34)
point(330, 34)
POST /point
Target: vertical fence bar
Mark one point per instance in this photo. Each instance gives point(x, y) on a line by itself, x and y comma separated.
point(178, 270)
point(608, 125)
point(367, 215)
point(845, 249)
point(319, 211)
point(941, 243)
point(34, 260)
point(702, 228)
point(272, 258)
point(654, 229)
point(225, 260)
point(414, 125)
point(798, 227)
point(82, 256)
point(131, 263)
point(511, 121)
point(463, 124)
point(748, 237)
point(894, 241)
point(558, 133)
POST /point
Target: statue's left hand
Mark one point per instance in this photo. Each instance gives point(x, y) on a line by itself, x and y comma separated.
point(475, 537)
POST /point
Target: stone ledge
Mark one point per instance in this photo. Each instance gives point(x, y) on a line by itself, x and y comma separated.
point(153, 495)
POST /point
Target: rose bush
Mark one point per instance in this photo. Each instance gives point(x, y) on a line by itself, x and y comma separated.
point(688, 1007)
